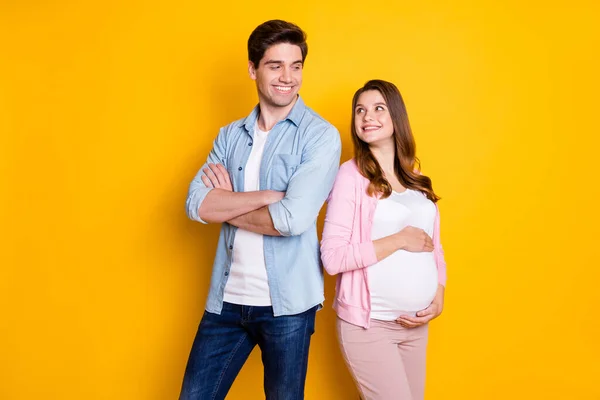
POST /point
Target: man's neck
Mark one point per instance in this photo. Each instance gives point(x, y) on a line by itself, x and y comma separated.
point(270, 115)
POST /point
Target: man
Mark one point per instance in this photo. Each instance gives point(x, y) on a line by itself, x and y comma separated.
point(265, 180)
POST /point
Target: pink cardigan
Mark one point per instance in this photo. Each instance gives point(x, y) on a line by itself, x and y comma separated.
point(347, 248)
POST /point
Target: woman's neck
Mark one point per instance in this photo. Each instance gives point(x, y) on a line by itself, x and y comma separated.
point(385, 155)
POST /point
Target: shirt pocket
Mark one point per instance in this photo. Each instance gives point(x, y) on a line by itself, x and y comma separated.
point(282, 169)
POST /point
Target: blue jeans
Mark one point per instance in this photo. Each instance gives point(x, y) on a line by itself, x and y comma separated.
point(224, 342)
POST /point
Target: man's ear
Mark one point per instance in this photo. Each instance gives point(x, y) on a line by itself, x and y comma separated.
point(251, 70)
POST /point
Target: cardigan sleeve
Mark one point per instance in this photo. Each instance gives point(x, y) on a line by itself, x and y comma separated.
point(438, 251)
point(338, 252)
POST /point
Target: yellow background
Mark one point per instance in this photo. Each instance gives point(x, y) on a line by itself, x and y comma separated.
point(107, 109)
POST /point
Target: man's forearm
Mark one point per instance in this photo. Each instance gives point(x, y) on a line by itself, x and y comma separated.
point(223, 205)
point(258, 221)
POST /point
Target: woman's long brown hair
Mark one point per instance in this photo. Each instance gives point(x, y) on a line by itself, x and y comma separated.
point(405, 161)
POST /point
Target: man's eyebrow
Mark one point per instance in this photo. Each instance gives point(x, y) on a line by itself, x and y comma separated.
point(281, 62)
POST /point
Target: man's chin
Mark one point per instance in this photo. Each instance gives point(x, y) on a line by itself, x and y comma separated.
point(283, 102)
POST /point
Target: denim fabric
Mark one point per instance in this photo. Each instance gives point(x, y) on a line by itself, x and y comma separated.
point(224, 342)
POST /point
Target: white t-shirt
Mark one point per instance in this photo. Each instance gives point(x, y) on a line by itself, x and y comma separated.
point(247, 283)
point(404, 282)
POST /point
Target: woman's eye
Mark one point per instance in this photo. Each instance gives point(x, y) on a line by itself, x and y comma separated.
point(379, 108)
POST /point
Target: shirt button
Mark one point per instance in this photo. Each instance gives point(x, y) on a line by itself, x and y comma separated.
point(250, 144)
point(226, 273)
point(239, 168)
point(231, 247)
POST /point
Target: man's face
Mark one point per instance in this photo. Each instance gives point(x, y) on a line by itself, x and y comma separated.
point(279, 74)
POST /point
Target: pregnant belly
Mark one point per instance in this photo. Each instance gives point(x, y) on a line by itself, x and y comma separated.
point(403, 282)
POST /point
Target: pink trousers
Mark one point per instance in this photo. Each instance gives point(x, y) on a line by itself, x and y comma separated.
point(386, 361)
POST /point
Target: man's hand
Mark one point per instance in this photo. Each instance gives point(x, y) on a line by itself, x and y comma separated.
point(216, 176)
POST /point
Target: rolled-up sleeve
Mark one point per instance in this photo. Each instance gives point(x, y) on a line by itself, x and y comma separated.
point(198, 190)
point(309, 186)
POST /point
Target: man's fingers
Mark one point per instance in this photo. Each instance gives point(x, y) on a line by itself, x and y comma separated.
point(206, 181)
point(223, 170)
point(218, 174)
point(210, 175)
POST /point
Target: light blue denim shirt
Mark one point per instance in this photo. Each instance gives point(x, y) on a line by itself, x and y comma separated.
point(301, 158)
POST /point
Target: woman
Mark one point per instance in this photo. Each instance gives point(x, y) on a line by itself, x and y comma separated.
point(381, 236)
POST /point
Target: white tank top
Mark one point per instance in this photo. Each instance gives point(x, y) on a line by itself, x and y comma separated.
point(404, 282)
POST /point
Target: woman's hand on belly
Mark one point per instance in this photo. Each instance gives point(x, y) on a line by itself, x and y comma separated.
point(414, 240)
point(426, 315)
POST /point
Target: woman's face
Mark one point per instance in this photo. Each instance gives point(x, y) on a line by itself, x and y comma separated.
point(372, 119)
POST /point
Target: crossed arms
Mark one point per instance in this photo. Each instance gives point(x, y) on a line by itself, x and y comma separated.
point(246, 210)
point(211, 198)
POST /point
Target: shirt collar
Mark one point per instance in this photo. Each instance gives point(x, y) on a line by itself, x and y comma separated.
point(295, 115)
